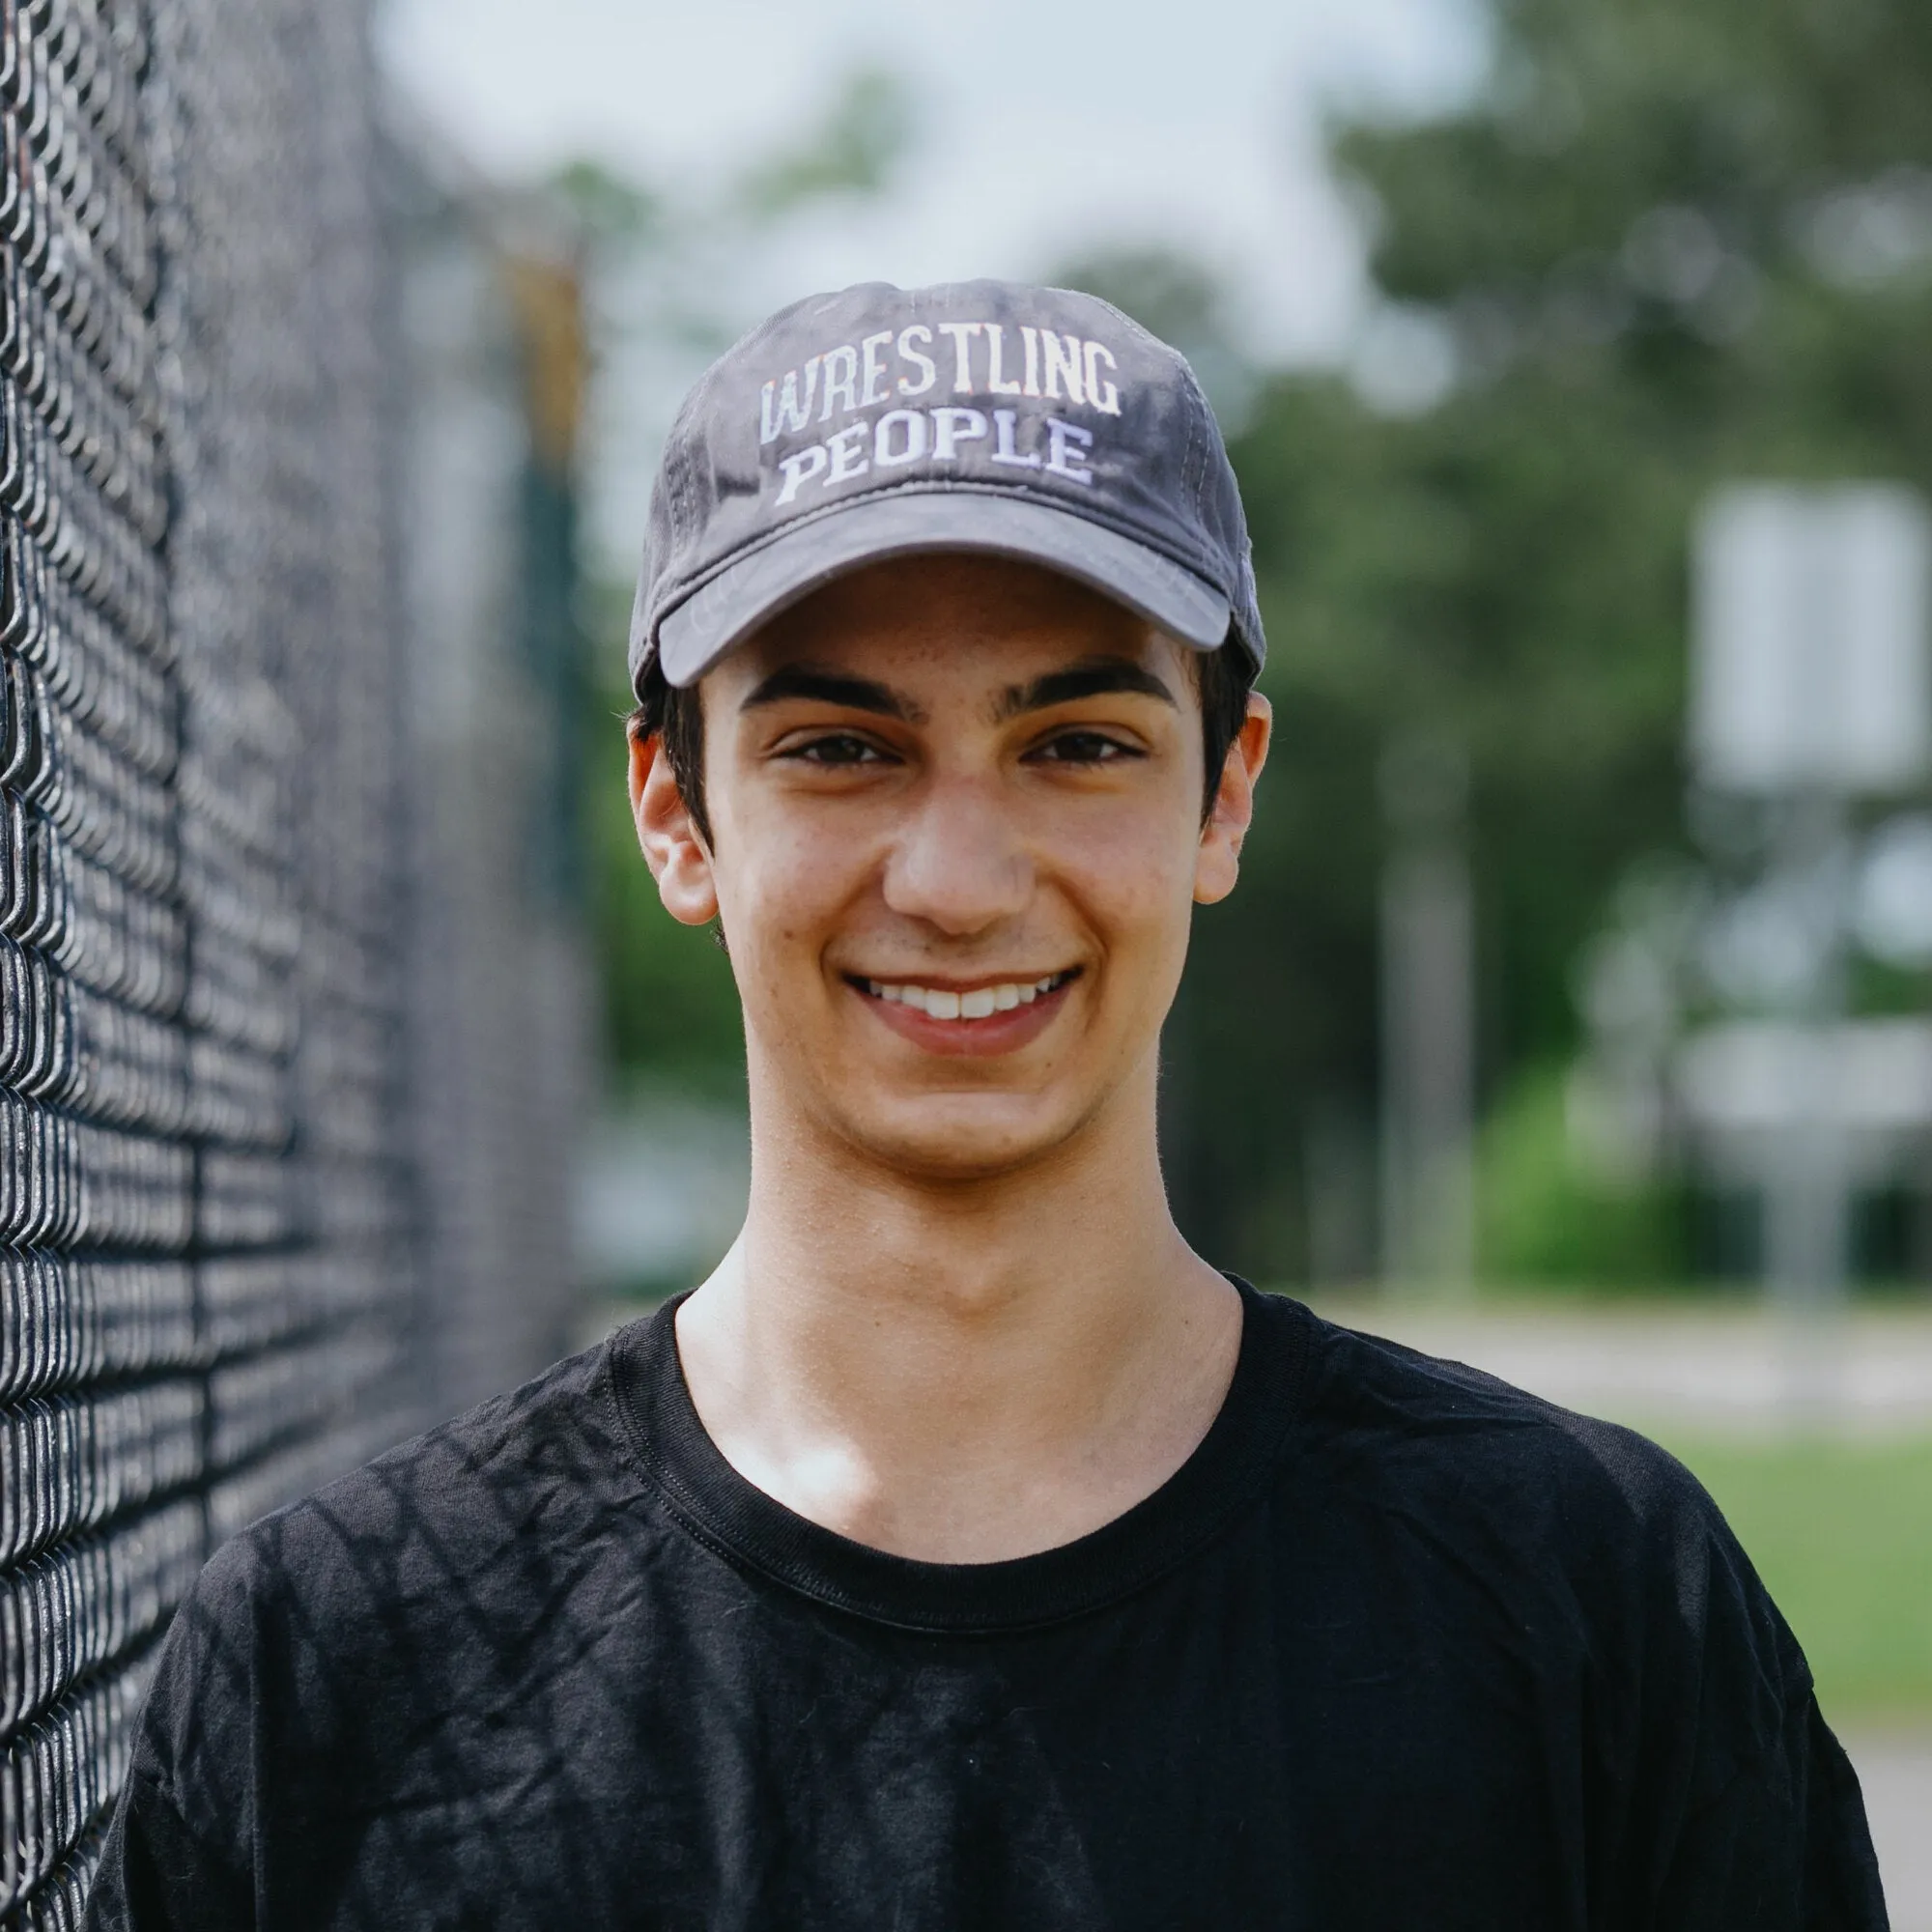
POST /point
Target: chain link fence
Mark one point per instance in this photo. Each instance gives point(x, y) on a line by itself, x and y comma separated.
point(288, 1008)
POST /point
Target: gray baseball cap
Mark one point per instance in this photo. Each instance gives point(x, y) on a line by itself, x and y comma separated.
point(1032, 423)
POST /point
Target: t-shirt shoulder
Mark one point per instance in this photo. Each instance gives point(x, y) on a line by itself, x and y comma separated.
point(445, 1553)
point(1563, 1514)
point(1481, 1430)
point(447, 1505)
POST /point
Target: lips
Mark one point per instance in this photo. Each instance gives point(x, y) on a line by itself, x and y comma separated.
point(996, 1017)
point(977, 1003)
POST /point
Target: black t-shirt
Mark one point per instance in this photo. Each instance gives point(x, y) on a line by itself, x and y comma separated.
point(1399, 1646)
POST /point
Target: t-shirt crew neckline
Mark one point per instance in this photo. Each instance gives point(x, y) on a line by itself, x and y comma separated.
point(1227, 1471)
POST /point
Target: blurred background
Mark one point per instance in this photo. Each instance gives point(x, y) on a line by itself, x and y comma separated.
point(1575, 1014)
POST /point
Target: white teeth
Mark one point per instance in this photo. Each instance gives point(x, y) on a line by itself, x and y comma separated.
point(981, 1003)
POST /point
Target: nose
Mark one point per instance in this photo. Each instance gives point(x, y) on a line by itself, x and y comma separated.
point(958, 862)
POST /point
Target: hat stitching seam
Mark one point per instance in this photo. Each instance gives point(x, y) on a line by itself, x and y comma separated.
point(679, 467)
point(1196, 442)
point(1204, 420)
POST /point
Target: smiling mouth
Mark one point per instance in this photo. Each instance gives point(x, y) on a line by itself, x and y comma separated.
point(978, 1002)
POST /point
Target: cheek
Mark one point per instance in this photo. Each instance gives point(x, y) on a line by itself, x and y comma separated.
point(1135, 872)
point(782, 882)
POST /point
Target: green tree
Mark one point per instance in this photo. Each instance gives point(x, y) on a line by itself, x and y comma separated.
point(1670, 241)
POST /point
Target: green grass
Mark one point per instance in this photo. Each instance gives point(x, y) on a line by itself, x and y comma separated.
point(1841, 1533)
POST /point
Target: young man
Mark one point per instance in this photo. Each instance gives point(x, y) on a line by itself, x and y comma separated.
point(967, 1553)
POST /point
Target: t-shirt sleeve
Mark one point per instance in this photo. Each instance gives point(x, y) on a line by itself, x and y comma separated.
point(1749, 1811)
point(177, 1856)
point(1784, 1847)
point(156, 1876)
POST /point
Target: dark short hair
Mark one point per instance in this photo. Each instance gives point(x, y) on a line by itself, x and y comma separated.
point(675, 717)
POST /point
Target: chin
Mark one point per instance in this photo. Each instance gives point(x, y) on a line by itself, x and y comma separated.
point(932, 1139)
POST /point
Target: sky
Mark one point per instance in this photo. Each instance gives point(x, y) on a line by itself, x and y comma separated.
point(1045, 129)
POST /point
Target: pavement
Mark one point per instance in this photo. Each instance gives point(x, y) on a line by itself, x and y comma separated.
point(1736, 1370)
point(1895, 1771)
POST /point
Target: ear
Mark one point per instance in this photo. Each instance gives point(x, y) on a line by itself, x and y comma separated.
point(1218, 862)
point(673, 849)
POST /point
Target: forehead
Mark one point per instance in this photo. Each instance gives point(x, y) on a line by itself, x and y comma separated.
point(965, 619)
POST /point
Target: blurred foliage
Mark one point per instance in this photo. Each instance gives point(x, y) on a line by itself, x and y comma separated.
point(1672, 241)
point(1547, 1219)
point(608, 209)
point(854, 149)
point(671, 1007)
point(1841, 1533)
point(663, 265)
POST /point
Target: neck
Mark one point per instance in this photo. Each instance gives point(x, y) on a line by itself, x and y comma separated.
point(966, 1370)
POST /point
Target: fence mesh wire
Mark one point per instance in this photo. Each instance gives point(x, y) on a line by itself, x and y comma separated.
point(222, 1178)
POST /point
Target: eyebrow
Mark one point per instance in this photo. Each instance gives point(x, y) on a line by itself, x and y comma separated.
point(831, 687)
point(1096, 677)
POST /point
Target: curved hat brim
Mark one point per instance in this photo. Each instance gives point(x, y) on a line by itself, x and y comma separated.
point(694, 636)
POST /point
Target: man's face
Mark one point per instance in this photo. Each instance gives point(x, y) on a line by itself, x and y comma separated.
point(955, 805)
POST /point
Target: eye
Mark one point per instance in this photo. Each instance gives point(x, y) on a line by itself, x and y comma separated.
point(838, 748)
point(1082, 748)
